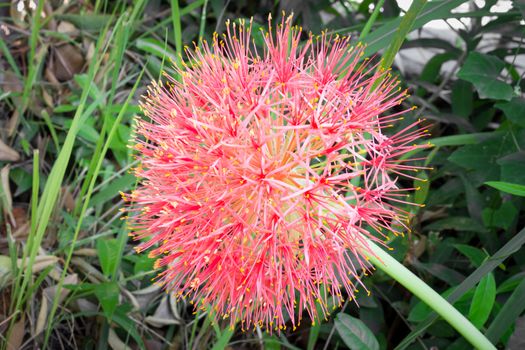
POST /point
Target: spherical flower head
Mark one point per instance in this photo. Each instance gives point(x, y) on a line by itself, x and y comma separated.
point(263, 171)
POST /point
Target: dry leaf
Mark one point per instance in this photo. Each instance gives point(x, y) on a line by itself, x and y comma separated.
point(146, 295)
point(43, 261)
point(68, 28)
point(162, 316)
point(7, 153)
point(7, 202)
point(115, 342)
point(85, 252)
point(48, 295)
point(68, 201)
point(67, 61)
point(17, 335)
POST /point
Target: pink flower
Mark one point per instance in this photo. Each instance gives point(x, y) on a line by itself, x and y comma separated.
point(262, 172)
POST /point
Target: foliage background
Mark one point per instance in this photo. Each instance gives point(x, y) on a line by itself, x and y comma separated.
point(70, 81)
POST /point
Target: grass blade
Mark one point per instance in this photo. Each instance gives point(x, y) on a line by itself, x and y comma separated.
point(488, 266)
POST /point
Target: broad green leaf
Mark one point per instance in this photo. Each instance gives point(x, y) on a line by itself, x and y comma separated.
point(465, 139)
point(515, 189)
point(462, 98)
point(503, 217)
point(223, 339)
point(483, 301)
point(156, 48)
point(120, 317)
point(514, 110)
point(511, 247)
point(89, 22)
point(382, 36)
point(122, 183)
point(108, 255)
point(107, 294)
point(271, 342)
point(458, 223)
point(511, 283)
point(508, 314)
point(475, 255)
point(143, 263)
point(422, 186)
point(355, 334)
point(512, 166)
point(483, 71)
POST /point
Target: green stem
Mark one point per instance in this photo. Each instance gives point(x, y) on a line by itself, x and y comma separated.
point(371, 20)
point(404, 28)
point(414, 284)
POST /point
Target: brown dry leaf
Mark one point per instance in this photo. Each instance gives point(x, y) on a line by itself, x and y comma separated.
point(85, 252)
point(152, 344)
point(115, 342)
point(48, 296)
point(174, 306)
point(85, 305)
point(146, 295)
point(420, 245)
point(7, 199)
point(48, 99)
point(17, 335)
point(50, 76)
point(162, 316)
point(7, 153)
point(42, 262)
point(67, 61)
point(90, 51)
point(5, 271)
point(68, 28)
point(68, 200)
point(92, 274)
point(21, 228)
point(10, 82)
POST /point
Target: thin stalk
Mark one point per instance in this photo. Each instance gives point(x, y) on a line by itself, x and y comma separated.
point(177, 29)
point(371, 20)
point(203, 21)
point(383, 261)
point(404, 28)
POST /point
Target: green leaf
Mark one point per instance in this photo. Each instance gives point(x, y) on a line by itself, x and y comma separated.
point(515, 189)
point(514, 110)
point(490, 264)
point(502, 217)
point(382, 36)
point(156, 48)
point(512, 166)
point(508, 314)
point(121, 318)
point(123, 183)
point(476, 256)
point(464, 139)
point(422, 186)
point(355, 334)
point(462, 98)
point(107, 294)
point(89, 22)
point(458, 223)
point(483, 300)
point(483, 71)
point(223, 339)
point(108, 255)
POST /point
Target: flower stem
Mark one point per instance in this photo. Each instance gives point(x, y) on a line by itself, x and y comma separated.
point(414, 284)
